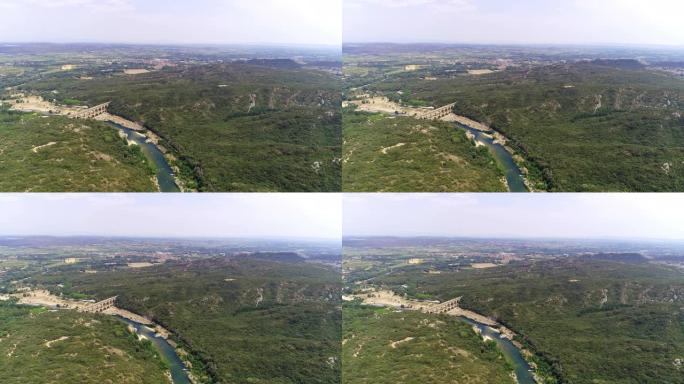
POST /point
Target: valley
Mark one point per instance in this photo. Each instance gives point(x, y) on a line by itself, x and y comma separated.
point(224, 119)
point(570, 307)
point(389, 154)
point(589, 119)
point(215, 308)
point(44, 346)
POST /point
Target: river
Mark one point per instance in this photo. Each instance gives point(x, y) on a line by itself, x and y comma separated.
point(522, 369)
point(165, 177)
point(179, 373)
point(514, 176)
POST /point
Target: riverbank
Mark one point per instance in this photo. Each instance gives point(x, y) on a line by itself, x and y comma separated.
point(497, 139)
point(514, 175)
point(178, 368)
point(151, 330)
point(387, 298)
point(454, 118)
point(167, 179)
point(120, 121)
point(512, 163)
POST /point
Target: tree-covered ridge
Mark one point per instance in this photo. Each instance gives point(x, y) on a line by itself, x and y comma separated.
point(402, 154)
point(587, 320)
point(588, 126)
point(245, 320)
point(57, 154)
point(234, 127)
point(41, 347)
point(382, 346)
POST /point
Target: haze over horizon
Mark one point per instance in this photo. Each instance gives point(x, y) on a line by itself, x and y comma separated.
point(523, 216)
point(573, 22)
point(308, 22)
point(234, 215)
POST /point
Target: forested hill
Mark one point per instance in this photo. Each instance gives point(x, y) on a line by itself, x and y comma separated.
point(587, 320)
point(386, 154)
point(234, 127)
point(42, 347)
point(607, 125)
point(247, 320)
point(59, 154)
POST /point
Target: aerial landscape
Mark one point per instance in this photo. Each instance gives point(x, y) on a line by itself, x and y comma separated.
point(245, 307)
point(168, 110)
point(497, 106)
point(555, 300)
point(341, 192)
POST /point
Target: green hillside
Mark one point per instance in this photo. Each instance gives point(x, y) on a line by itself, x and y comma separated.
point(42, 347)
point(56, 154)
point(589, 321)
point(234, 127)
point(599, 126)
point(381, 346)
point(387, 154)
point(245, 320)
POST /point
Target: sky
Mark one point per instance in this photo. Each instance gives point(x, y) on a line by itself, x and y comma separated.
point(577, 216)
point(310, 215)
point(288, 22)
point(585, 22)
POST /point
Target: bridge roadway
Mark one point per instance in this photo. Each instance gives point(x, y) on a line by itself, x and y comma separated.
point(438, 113)
point(100, 306)
point(444, 307)
point(93, 112)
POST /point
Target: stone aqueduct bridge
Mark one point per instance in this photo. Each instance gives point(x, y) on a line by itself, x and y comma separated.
point(100, 306)
point(92, 112)
point(444, 307)
point(438, 113)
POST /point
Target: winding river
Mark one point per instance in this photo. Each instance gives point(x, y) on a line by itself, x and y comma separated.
point(179, 373)
point(514, 176)
point(522, 369)
point(165, 177)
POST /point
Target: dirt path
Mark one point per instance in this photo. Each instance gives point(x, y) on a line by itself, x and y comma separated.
point(384, 150)
point(49, 343)
point(36, 149)
point(394, 344)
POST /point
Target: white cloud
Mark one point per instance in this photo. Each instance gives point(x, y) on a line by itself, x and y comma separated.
point(461, 4)
point(189, 215)
point(407, 3)
point(520, 22)
point(516, 215)
point(177, 21)
point(90, 4)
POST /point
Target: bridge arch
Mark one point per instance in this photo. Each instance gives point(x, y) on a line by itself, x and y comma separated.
point(100, 306)
point(438, 113)
point(92, 112)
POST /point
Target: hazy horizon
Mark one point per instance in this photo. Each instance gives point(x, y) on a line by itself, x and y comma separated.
point(516, 216)
point(521, 44)
point(174, 44)
point(309, 22)
point(175, 237)
point(207, 216)
point(521, 238)
point(574, 22)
